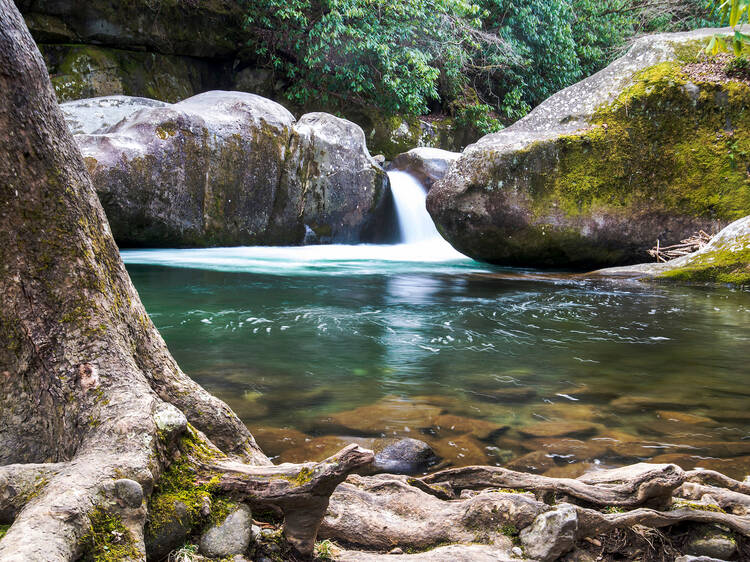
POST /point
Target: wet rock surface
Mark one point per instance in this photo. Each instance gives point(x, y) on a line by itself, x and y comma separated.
point(228, 168)
point(230, 536)
point(574, 183)
point(407, 456)
point(426, 164)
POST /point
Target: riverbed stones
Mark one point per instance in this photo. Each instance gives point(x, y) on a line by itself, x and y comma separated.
point(712, 542)
point(552, 534)
point(462, 450)
point(389, 416)
point(229, 168)
point(537, 462)
point(273, 440)
point(601, 170)
point(406, 456)
point(482, 429)
point(559, 429)
point(171, 533)
point(230, 536)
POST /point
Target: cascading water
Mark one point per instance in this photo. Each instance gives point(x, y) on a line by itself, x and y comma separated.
point(421, 248)
point(409, 198)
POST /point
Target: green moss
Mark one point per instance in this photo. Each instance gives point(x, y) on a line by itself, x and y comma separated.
point(108, 540)
point(509, 530)
point(721, 266)
point(511, 491)
point(178, 485)
point(613, 509)
point(681, 504)
point(3, 530)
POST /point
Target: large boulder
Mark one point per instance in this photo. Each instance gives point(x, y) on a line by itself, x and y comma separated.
point(426, 164)
point(655, 146)
point(227, 168)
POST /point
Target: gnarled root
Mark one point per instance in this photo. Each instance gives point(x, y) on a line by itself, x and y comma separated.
point(474, 504)
point(300, 491)
point(630, 486)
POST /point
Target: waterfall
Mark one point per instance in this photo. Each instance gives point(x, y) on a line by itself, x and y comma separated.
point(409, 198)
point(421, 249)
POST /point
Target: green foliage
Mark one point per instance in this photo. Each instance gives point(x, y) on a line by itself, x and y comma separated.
point(483, 61)
point(735, 13)
point(3, 530)
point(371, 52)
point(325, 550)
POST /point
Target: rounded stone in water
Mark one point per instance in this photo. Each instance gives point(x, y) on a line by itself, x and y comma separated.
point(407, 456)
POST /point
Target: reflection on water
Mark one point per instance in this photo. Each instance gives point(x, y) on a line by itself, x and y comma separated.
point(548, 373)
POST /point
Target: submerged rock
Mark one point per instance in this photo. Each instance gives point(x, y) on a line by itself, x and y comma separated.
point(228, 168)
point(642, 150)
point(406, 456)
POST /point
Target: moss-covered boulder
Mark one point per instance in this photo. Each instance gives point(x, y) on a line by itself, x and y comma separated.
point(726, 259)
point(206, 28)
point(652, 147)
point(85, 71)
point(227, 168)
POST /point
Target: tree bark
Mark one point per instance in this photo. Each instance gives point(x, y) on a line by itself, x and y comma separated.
point(89, 393)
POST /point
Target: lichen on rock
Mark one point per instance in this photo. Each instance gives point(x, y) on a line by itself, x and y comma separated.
point(600, 171)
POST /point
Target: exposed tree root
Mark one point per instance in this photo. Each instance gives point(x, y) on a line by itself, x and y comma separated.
point(631, 486)
point(475, 504)
point(712, 477)
point(736, 503)
point(300, 491)
point(593, 522)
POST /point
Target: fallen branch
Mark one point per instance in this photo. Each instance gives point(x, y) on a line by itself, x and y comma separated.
point(736, 503)
point(685, 247)
point(717, 479)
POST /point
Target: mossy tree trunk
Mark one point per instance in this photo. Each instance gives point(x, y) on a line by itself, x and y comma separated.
point(89, 394)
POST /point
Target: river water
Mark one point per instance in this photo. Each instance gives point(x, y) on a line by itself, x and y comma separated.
point(554, 373)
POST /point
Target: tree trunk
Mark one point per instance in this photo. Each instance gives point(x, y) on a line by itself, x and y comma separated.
point(89, 392)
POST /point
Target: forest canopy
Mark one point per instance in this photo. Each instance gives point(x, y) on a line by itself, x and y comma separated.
point(482, 61)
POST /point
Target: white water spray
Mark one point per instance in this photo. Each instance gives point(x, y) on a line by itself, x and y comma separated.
point(409, 197)
point(422, 248)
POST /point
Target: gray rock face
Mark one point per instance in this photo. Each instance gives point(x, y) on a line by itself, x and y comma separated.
point(227, 168)
point(231, 536)
point(601, 170)
point(426, 164)
point(201, 29)
point(407, 456)
point(96, 115)
point(552, 534)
